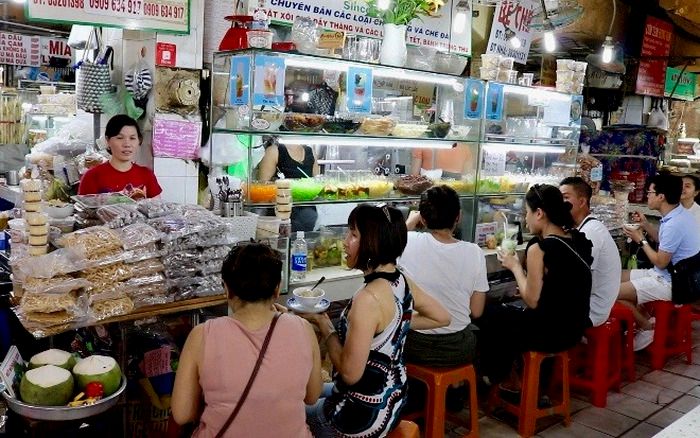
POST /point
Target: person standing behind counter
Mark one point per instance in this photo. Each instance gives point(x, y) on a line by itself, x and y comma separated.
point(120, 173)
point(453, 162)
point(293, 161)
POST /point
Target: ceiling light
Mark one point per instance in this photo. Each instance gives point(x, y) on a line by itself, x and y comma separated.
point(550, 42)
point(513, 39)
point(608, 49)
point(460, 19)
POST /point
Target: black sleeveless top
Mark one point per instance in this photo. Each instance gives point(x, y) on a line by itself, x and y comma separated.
point(290, 167)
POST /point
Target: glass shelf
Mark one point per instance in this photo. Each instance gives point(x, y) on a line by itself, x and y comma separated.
point(398, 198)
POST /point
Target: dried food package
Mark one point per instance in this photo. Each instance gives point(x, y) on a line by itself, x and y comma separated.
point(152, 208)
point(105, 275)
point(97, 242)
point(210, 267)
point(60, 284)
point(106, 292)
point(111, 308)
point(413, 184)
point(50, 303)
point(144, 268)
point(61, 261)
point(215, 252)
point(117, 216)
point(137, 235)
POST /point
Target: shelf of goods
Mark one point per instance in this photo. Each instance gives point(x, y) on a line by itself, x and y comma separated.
point(384, 134)
point(146, 258)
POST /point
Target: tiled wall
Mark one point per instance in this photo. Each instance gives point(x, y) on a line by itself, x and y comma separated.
point(178, 178)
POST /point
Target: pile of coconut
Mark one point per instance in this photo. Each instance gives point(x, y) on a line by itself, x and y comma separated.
point(54, 374)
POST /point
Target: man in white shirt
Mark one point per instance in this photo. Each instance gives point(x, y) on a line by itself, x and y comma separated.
point(606, 268)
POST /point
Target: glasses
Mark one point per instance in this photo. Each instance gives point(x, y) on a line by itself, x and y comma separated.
point(651, 192)
point(385, 209)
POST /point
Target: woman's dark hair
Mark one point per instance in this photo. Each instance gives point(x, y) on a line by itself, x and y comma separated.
point(383, 234)
point(252, 272)
point(670, 186)
point(551, 201)
point(116, 123)
point(439, 207)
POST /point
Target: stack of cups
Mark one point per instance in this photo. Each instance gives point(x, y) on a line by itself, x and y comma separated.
point(31, 190)
point(498, 68)
point(283, 208)
point(38, 233)
point(571, 75)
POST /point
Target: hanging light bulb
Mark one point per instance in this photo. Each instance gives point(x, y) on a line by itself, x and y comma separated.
point(550, 42)
point(608, 50)
point(515, 42)
point(383, 5)
point(460, 18)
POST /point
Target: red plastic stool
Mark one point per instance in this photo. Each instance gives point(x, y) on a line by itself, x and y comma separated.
point(405, 429)
point(672, 332)
point(527, 411)
point(624, 315)
point(595, 366)
point(438, 380)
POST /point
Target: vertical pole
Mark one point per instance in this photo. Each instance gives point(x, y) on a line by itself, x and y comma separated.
point(96, 126)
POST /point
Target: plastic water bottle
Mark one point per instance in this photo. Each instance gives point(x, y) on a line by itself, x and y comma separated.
point(299, 255)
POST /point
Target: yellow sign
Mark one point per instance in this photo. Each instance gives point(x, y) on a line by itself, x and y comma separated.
point(330, 39)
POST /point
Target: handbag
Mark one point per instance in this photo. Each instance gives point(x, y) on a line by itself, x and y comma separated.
point(253, 375)
point(94, 80)
point(685, 280)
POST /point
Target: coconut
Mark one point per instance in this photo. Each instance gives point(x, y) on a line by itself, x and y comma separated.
point(48, 385)
point(53, 356)
point(96, 368)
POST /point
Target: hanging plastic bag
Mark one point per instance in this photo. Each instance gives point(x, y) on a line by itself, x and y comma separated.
point(138, 81)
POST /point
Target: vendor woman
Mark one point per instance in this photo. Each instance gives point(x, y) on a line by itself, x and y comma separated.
point(120, 173)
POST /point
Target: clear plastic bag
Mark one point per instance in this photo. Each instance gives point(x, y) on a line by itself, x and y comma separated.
point(210, 267)
point(152, 300)
point(110, 308)
point(117, 216)
point(97, 242)
point(41, 325)
point(192, 287)
point(138, 235)
point(57, 285)
point(61, 261)
point(106, 275)
point(106, 292)
point(50, 303)
point(144, 268)
point(152, 208)
point(215, 252)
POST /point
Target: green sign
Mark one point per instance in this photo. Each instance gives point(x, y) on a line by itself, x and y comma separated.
point(685, 90)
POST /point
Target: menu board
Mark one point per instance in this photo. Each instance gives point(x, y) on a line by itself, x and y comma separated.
point(656, 43)
point(176, 138)
point(151, 15)
point(16, 49)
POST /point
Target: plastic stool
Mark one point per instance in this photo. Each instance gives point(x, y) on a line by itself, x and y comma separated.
point(527, 411)
point(438, 380)
point(624, 315)
point(595, 366)
point(405, 429)
point(672, 332)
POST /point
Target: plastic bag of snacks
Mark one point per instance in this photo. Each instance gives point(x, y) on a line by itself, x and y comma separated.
point(56, 285)
point(110, 308)
point(138, 235)
point(97, 242)
point(153, 208)
point(117, 216)
point(50, 303)
point(106, 292)
point(62, 261)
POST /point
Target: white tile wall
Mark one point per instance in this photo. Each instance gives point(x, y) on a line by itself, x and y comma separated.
point(178, 178)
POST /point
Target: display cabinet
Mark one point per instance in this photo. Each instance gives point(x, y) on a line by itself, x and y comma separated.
point(383, 134)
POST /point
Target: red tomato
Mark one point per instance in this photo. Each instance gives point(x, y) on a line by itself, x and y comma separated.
point(94, 389)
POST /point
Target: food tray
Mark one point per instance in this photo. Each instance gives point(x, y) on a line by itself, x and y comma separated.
point(63, 413)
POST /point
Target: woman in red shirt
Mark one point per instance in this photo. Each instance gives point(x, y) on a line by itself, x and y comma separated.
point(120, 173)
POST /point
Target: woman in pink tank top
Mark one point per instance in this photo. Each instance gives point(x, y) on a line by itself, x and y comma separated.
point(219, 357)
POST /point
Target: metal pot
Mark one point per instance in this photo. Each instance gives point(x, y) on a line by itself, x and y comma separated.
point(12, 177)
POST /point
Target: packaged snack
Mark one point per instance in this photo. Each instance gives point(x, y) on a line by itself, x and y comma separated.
point(96, 241)
point(49, 303)
point(57, 285)
point(153, 208)
point(120, 215)
point(137, 235)
point(110, 308)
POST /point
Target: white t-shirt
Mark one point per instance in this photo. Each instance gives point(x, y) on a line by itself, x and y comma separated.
point(449, 272)
point(695, 211)
point(605, 270)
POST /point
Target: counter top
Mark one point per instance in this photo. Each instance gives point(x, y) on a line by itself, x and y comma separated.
point(12, 194)
point(685, 427)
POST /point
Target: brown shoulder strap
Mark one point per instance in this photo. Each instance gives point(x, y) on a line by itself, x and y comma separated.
point(241, 400)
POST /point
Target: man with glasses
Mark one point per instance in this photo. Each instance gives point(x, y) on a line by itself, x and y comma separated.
point(678, 239)
point(606, 268)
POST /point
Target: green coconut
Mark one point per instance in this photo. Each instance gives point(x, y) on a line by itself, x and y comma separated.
point(53, 356)
point(48, 385)
point(96, 368)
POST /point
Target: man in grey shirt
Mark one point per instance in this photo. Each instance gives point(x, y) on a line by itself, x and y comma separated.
point(606, 268)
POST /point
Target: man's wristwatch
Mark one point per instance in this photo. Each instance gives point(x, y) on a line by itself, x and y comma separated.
point(644, 242)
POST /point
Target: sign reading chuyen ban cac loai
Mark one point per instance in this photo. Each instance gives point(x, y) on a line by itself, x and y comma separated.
point(350, 16)
point(171, 16)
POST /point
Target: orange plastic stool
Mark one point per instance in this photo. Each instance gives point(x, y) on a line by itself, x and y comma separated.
point(405, 429)
point(672, 332)
point(438, 380)
point(595, 366)
point(624, 315)
point(527, 411)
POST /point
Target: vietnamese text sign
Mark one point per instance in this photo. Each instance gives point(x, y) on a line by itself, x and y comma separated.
point(685, 89)
point(154, 15)
point(512, 19)
point(16, 49)
point(54, 48)
point(176, 138)
point(656, 43)
point(349, 16)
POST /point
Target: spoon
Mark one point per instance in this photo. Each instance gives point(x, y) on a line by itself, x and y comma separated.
point(320, 280)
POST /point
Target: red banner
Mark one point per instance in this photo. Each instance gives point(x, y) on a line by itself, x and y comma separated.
point(651, 77)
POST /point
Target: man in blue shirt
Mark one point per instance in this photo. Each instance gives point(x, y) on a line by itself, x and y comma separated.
point(678, 240)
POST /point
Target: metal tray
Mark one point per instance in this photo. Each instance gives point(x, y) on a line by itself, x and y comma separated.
point(63, 413)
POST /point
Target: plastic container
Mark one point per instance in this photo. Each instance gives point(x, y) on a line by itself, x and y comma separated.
point(260, 39)
point(490, 60)
point(506, 63)
point(565, 64)
point(488, 73)
point(508, 76)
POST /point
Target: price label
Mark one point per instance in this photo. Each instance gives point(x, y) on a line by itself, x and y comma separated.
point(494, 163)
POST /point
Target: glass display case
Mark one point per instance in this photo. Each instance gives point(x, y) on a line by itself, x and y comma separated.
point(381, 134)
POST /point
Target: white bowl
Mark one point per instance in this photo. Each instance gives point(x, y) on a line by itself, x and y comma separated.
point(308, 301)
point(632, 226)
point(58, 212)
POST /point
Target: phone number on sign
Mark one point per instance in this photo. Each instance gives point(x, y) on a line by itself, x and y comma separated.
point(136, 7)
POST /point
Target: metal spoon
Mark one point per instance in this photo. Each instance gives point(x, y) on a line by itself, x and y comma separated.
point(320, 280)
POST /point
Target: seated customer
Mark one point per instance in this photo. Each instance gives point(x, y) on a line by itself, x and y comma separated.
point(555, 287)
point(607, 267)
point(678, 239)
point(219, 357)
point(369, 385)
point(452, 271)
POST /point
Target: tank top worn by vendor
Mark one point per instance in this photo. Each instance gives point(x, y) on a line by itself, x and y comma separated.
point(292, 168)
point(371, 407)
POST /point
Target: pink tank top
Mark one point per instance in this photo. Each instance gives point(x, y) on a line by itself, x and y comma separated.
point(275, 405)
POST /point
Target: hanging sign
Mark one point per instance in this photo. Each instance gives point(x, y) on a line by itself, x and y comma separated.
point(176, 138)
point(359, 90)
point(473, 99)
point(54, 48)
point(685, 90)
point(512, 20)
point(17, 49)
point(166, 54)
point(651, 76)
point(239, 86)
point(151, 15)
point(494, 102)
point(350, 17)
point(269, 80)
